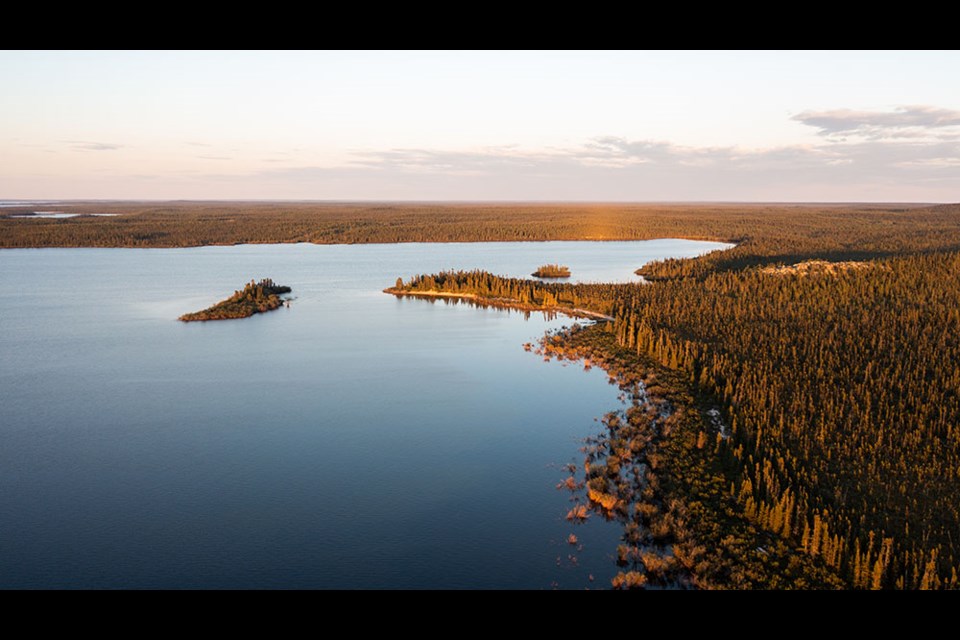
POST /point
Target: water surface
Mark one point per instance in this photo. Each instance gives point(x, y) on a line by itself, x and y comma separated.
point(352, 440)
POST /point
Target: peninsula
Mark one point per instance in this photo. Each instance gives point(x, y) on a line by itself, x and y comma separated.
point(478, 288)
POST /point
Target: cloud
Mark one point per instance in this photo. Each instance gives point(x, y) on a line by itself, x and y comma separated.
point(903, 122)
point(616, 168)
point(80, 145)
point(907, 154)
point(609, 153)
point(215, 157)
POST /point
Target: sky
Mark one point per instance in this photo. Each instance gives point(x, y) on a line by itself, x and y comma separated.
point(489, 125)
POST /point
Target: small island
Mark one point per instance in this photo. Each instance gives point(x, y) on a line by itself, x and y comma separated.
point(256, 297)
point(552, 271)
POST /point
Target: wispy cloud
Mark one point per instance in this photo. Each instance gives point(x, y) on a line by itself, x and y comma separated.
point(84, 145)
point(910, 121)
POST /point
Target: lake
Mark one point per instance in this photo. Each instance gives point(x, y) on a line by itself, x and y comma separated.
point(352, 440)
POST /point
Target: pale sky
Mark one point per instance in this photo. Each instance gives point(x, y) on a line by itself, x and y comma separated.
point(614, 126)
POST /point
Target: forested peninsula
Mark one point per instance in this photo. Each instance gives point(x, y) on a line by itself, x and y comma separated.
point(812, 440)
point(485, 290)
point(795, 420)
point(255, 297)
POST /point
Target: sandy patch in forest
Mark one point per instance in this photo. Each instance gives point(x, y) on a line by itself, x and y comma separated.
point(817, 267)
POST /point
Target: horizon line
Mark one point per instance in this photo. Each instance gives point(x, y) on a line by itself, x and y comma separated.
point(28, 201)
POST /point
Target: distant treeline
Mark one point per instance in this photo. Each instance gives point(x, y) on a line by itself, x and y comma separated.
point(772, 231)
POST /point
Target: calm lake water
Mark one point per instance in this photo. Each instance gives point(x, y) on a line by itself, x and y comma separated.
point(351, 440)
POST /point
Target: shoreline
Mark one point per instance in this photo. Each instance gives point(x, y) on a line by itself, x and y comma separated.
point(502, 303)
point(347, 244)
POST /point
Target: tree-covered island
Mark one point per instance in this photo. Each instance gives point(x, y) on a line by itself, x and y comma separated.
point(552, 271)
point(255, 297)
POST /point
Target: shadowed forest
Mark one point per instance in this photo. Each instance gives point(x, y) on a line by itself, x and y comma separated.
point(811, 371)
